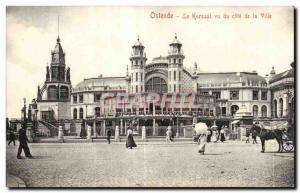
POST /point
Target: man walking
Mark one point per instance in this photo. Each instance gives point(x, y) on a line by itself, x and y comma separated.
point(23, 143)
point(254, 135)
point(247, 136)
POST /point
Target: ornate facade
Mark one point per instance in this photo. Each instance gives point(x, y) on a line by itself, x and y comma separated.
point(158, 93)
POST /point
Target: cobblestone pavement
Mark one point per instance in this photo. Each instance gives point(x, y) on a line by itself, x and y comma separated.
point(156, 164)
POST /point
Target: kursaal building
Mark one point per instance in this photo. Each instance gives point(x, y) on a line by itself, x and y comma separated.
point(157, 94)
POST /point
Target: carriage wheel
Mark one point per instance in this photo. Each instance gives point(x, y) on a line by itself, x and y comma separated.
point(288, 147)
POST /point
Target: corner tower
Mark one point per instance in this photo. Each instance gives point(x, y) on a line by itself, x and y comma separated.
point(175, 57)
point(138, 61)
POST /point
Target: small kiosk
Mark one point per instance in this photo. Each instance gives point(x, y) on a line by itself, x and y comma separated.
point(242, 121)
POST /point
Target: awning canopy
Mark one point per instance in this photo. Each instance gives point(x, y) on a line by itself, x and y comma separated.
point(235, 121)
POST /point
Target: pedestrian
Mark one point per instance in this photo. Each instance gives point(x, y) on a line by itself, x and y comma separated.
point(201, 130)
point(169, 134)
point(222, 134)
point(130, 141)
point(12, 138)
point(209, 133)
point(214, 136)
point(23, 143)
point(108, 136)
point(254, 135)
point(247, 136)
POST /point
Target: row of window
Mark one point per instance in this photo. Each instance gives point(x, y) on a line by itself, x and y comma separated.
point(174, 88)
point(174, 60)
point(137, 89)
point(75, 113)
point(264, 111)
point(137, 77)
point(234, 95)
point(75, 99)
point(174, 75)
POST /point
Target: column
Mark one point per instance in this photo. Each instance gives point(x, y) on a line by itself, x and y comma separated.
point(137, 125)
point(143, 133)
point(60, 133)
point(285, 105)
point(121, 125)
point(94, 128)
point(117, 133)
point(104, 130)
point(154, 133)
point(89, 133)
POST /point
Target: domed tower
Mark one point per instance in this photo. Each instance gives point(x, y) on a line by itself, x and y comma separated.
point(175, 66)
point(138, 61)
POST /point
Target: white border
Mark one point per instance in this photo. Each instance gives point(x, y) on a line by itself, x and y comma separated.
point(3, 188)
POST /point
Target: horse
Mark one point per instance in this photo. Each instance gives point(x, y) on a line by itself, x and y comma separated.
point(266, 134)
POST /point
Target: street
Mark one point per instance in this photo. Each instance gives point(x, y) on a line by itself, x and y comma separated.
point(152, 164)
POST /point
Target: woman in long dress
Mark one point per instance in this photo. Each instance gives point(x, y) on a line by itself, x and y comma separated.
point(169, 134)
point(130, 141)
point(214, 136)
point(222, 132)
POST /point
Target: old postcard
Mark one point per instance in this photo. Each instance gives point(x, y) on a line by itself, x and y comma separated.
point(145, 96)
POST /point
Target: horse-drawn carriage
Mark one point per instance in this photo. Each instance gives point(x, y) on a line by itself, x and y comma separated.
point(275, 130)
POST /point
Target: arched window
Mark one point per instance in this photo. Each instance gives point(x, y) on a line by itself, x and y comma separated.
point(280, 107)
point(75, 113)
point(255, 110)
point(97, 111)
point(275, 108)
point(52, 93)
point(81, 113)
point(234, 109)
point(156, 84)
point(264, 111)
point(64, 92)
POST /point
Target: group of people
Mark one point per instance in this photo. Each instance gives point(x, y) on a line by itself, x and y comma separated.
point(130, 143)
point(215, 135)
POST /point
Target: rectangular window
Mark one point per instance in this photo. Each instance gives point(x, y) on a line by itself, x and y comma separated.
point(136, 76)
point(174, 61)
point(255, 95)
point(174, 75)
point(141, 77)
point(264, 95)
point(179, 75)
point(97, 97)
point(174, 87)
point(75, 99)
point(170, 76)
point(179, 87)
point(141, 88)
point(234, 95)
point(131, 77)
point(217, 94)
point(136, 88)
point(81, 98)
point(179, 60)
point(211, 112)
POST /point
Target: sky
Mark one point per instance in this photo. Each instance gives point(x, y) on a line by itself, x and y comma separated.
point(98, 40)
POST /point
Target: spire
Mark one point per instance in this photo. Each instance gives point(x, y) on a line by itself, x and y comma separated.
point(58, 39)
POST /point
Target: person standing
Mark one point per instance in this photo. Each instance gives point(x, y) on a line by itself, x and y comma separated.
point(169, 134)
point(12, 138)
point(130, 141)
point(222, 133)
point(108, 136)
point(23, 143)
point(247, 136)
point(254, 135)
point(209, 133)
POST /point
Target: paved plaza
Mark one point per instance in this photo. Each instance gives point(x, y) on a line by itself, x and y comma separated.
point(152, 164)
